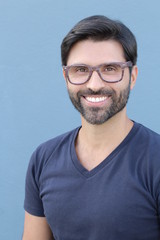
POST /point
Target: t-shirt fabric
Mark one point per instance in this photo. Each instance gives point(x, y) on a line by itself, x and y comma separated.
point(117, 200)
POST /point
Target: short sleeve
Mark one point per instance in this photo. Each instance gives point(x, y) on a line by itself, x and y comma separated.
point(33, 203)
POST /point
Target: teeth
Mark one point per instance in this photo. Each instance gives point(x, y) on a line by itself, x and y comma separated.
point(97, 99)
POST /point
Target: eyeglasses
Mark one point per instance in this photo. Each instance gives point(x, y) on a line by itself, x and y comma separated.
point(109, 72)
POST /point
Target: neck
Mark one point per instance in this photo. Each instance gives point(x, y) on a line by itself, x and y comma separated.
point(111, 133)
point(95, 142)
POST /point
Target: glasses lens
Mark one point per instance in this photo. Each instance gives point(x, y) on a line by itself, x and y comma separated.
point(111, 72)
point(78, 74)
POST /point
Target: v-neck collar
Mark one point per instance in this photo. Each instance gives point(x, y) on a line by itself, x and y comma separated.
point(86, 173)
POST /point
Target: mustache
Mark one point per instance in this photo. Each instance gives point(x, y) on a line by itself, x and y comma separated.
point(101, 92)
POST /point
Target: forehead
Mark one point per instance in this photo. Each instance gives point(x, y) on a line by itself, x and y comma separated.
point(96, 52)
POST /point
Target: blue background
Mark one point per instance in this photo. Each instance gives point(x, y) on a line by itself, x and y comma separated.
point(34, 104)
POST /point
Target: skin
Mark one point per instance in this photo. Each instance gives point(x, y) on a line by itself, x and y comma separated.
point(94, 141)
point(99, 113)
point(36, 228)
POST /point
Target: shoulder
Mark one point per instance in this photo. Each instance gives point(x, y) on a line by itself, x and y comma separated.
point(147, 135)
point(49, 146)
point(43, 152)
point(145, 151)
point(147, 142)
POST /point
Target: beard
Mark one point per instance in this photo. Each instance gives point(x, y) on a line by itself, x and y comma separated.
point(99, 115)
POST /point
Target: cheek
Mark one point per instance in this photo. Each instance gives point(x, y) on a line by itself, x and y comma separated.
point(117, 87)
point(72, 89)
point(120, 87)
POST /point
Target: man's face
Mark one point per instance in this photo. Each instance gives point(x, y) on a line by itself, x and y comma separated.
point(96, 100)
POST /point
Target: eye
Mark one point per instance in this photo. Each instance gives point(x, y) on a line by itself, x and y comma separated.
point(78, 70)
point(109, 68)
point(81, 69)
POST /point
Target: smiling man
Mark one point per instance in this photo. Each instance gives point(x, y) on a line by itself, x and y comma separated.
point(102, 179)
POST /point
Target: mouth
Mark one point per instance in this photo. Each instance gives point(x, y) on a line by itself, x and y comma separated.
point(96, 99)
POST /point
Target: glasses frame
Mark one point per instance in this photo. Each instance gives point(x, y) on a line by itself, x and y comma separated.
point(122, 65)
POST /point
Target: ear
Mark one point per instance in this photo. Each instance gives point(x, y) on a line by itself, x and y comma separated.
point(64, 75)
point(134, 74)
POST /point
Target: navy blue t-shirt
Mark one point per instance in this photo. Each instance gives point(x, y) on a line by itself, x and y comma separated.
point(117, 200)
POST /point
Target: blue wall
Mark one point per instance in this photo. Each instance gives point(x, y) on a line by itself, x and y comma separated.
point(34, 105)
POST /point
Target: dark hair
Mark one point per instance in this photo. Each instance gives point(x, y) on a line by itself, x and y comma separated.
point(99, 28)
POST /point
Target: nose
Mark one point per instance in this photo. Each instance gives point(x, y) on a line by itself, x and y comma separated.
point(95, 83)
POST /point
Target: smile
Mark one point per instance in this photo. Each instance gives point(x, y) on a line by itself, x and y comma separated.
point(96, 99)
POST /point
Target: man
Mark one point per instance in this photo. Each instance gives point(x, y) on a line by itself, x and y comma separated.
point(101, 180)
